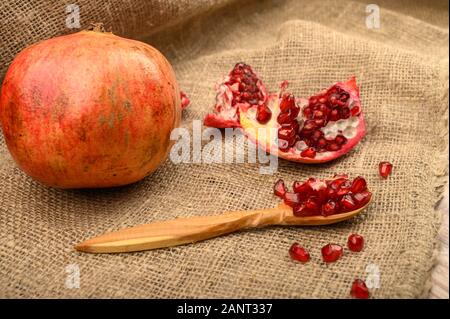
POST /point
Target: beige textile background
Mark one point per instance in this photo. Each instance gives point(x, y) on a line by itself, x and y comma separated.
point(402, 72)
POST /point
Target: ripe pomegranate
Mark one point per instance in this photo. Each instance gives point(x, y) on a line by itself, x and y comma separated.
point(324, 197)
point(89, 109)
point(315, 130)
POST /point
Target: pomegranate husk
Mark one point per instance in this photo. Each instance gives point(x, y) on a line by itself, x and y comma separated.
point(251, 127)
point(242, 101)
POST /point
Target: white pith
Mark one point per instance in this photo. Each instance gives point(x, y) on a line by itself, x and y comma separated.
point(347, 127)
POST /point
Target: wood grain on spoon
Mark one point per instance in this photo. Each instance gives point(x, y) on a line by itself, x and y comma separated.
point(192, 229)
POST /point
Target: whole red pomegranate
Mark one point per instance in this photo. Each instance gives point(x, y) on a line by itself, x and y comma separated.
point(89, 109)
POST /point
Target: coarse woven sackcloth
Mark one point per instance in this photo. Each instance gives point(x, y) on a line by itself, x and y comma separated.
point(402, 71)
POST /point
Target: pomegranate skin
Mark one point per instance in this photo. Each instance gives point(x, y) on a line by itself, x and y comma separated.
point(89, 110)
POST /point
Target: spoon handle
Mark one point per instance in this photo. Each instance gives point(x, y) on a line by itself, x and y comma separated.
point(181, 231)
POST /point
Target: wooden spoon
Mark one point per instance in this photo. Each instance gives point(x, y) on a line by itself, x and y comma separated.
point(192, 229)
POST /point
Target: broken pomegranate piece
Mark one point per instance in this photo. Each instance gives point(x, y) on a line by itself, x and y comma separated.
point(359, 290)
point(328, 197)
point(385, 169)
point(331, 252)
point(299, 253)
point(314, 130)
point(355, 242)
point(240, 89)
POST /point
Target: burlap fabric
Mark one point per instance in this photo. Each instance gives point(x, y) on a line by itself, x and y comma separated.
point(402, 72)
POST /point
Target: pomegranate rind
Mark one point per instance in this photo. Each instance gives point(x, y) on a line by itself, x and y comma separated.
point(264, 134)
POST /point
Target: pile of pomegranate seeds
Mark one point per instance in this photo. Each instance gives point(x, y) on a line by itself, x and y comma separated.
point(315, 197)
point(385, 169)
point(240, 88)
point(333, 105)
point(331, 252)
point(359, 290)
point(355, 242)
point(299, 253)
point(288, 132)
point(245, 85)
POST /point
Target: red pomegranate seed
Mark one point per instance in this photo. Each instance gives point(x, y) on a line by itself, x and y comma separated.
point(321, 143)
point(287, 102)
point(329, 208)
point(331, 252)
point(284, 118)
point(263, 114)
point(362, 198)
point(293, 113)
point(279, 189)
point(332, 193)
point(309, 152)
point(307, 112)
point(356, 110)
point(347, 203)
point(385, 169)
point(299, 253)
point(291, 125)
point(320, 122)
point(359, 290)
point(318, 114)
point(334, 115)
point(345, 113)
point(344, 97)
point(316, 135)
point(300, 210)
point(302, 188)
point(355, 242)
point(342, 191)
point(359, 184)
point(332, 147)
point(309, 125)
point(336, 184)
point(312, 206)
point(286, 133)
point(291, 199)
point(340, 139)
